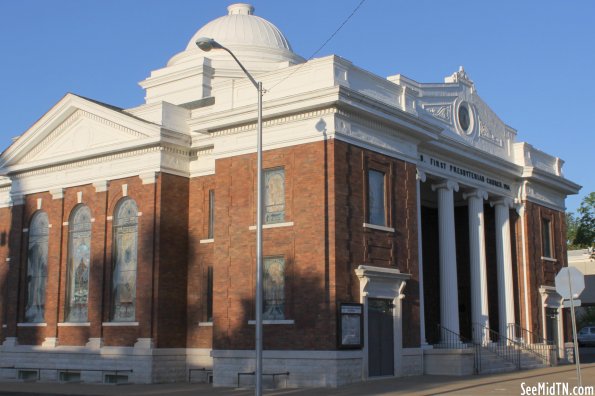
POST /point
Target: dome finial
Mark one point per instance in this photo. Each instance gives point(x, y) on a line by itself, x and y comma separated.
point(240, 9)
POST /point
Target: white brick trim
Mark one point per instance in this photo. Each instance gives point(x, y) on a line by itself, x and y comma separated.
point(275, 225)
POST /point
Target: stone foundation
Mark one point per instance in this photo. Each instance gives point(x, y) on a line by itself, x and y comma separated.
point(306, 368)
point(412, 362)
point(449, 361)
point(45, 363)
point(199, 360)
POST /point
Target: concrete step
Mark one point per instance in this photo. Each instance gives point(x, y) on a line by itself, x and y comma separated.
point(492, 363)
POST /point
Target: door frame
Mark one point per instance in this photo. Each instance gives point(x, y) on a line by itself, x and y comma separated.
point(384, 283)
point(551, 299)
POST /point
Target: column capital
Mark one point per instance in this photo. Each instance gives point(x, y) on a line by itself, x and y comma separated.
point(57, 193)
point(504, 201)
point(148, 177)
point(421, 175)
point(101, 186)
point(477, 193)
point(447, 185)
point(17, 199)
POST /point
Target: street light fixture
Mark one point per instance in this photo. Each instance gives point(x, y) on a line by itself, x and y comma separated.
point(207, 44)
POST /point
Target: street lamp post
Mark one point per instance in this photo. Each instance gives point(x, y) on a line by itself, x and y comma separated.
point(207, 44)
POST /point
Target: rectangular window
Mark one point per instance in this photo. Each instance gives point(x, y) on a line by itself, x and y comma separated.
point(274, 196)
point(376, 198)
point(211, 231)
point(209, 294)
point(273, 288)
point(546, 234)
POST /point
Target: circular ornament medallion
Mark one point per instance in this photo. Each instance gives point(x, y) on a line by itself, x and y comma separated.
point(464, 117)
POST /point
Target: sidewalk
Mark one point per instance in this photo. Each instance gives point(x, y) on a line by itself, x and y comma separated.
point(495, 384)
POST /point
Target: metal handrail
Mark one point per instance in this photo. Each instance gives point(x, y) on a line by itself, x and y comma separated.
point(497, 343)
point(531, 342)
point(451, 340)
point(515, 331)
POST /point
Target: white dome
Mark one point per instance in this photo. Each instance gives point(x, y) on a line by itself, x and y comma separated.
point(241, 27)
point(250, 37)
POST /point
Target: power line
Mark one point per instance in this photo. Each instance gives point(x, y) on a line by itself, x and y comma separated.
point(361, 3)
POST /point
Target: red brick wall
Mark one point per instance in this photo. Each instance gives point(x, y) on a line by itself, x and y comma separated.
point(161, 299)
point(356, 245)
point(542, 272)
point(5, 223)
point(12, 278)
point(171, 266)
point(305, 246)
point(200, 258)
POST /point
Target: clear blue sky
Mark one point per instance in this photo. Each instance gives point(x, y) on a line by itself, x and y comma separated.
point(532, 61)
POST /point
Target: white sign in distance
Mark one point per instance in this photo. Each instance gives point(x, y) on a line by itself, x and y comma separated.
point(567, 278)
point(576, 303)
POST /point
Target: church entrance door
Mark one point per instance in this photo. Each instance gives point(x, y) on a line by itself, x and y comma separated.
point(380, 337)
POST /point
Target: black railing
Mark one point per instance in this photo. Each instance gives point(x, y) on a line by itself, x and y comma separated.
point(531, 342)
point(497, 343)
point(508, 348)
point(451, 340)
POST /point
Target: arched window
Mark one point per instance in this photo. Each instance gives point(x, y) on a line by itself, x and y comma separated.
point(37, 268)
point(124, 261)
point(79, 261)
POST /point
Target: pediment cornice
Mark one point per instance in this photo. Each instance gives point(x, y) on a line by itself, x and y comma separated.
point(76, 128)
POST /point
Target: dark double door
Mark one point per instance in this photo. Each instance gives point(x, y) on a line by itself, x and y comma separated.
point(551, 326)
point(380, 338)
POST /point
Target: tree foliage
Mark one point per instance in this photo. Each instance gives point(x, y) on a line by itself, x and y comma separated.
point(585, 317)
point(571, 227)
point(581, 228)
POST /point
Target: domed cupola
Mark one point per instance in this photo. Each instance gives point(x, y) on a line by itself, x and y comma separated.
point(191, 74)
point(249, 37)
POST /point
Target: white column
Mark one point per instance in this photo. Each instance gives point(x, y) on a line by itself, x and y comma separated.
point(521, 212)
point(421, 177)
point(477, 256)
point(449, 298)
point(504, 264)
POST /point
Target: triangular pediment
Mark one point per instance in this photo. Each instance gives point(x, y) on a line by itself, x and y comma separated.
point(81, 132)
point(464, 116)
point(75, 128)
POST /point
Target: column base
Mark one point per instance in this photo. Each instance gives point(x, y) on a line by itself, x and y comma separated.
point(51, 342)
point(143, 343)
point(94, 343)
point(10, 342)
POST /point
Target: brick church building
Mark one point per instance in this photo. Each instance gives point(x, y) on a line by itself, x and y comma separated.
point(396, 214)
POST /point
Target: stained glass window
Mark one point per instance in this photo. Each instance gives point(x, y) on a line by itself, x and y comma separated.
point(37, 268)
point(274, 197)
point(274, 288)
point(79, 262)
point(376, 197)
point(125, 261)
